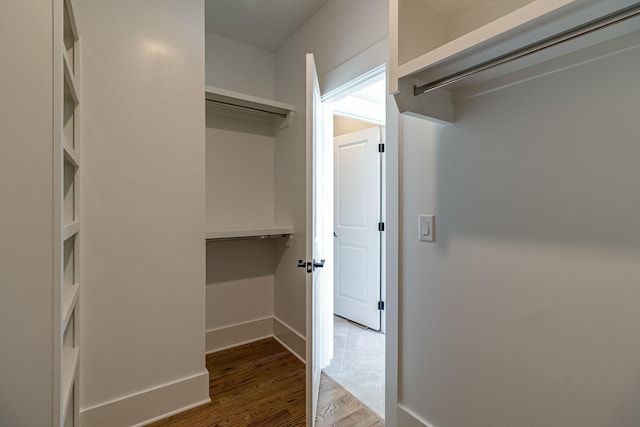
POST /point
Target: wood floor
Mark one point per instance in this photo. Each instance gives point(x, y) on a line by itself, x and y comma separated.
point(338, 407)
point(262, 384)
point(257, 384)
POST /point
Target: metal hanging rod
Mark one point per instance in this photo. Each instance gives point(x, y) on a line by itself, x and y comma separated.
point(245, 108)
point(565, 36)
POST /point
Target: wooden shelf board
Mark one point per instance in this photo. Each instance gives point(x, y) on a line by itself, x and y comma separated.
point(249, 233)
point(70, 230)
point(248, 101)
point(69, 300)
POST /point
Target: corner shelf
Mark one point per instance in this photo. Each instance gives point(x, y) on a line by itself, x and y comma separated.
point(257, 233)
point(279, 112)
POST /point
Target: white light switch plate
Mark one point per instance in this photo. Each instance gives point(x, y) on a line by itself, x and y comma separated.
point(426, 228)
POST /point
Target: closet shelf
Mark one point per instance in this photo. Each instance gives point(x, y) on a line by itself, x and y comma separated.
point(249, 102)
point(512, 45)
point(70, 357)
point(69, 299)
point(279, 112)
point(249, 233)
point(70, 80)
point(70, 230)
point(69, 153)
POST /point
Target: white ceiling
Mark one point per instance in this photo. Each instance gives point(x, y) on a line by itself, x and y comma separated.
point(262, 23)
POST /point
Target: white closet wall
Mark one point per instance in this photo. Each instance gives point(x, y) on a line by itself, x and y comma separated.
point(240, 193)
point(26, 208)
point(521, 300)
point(143, 210)
point(239, 67)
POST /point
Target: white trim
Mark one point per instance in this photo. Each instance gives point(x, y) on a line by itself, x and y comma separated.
point(289, 340)
point(375, 58)
point(354, 85)
point(230, 336)
point(358, 65)
point(238, 334)
point(408, 418)
point(154, 403)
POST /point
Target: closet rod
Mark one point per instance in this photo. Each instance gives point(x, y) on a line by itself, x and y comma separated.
point(565, 36)
point(242, 107)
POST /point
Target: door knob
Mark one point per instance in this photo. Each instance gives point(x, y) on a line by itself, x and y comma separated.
point(306, 265)
point(317, 264)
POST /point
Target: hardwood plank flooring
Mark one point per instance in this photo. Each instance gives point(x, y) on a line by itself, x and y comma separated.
point(257, 384)
point(262, 384)
point(338, 407)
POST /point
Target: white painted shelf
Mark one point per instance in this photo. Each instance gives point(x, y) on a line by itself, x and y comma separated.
point(450, 43)
point(70, 358)
point(69, 299)
point(70, 79)
point(249, 233)
point(70, 230)
point(279, 113)
point(69, 153)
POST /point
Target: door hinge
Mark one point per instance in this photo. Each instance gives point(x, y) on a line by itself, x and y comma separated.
point(380, 305)
point(380, 148)
point(381, 226)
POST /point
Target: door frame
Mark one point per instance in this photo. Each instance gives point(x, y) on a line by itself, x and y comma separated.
point(332, 83)
point(380, 190)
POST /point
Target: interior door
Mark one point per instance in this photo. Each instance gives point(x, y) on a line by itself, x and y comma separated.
point(357, 237)
point(319, 233)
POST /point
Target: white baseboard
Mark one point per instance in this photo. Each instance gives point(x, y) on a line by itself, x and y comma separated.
point(149, 405)
point(156, 403)
point(290, 339)
point(408, 418)
point(242, 333)
point(238, 334)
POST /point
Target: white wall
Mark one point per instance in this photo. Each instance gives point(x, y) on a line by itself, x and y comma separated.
point(525, 310)
point(337, 32)
point(344, 125)
point(143, 292)
point(239, 194)
point(26, 209)
point(239, 67)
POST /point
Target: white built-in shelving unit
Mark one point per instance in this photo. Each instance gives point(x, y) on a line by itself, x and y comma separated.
point(443, 52)
point(67, 141)
point(248, 114)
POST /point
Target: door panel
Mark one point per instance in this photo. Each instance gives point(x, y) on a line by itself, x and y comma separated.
point(319, 235)
point(357, 238)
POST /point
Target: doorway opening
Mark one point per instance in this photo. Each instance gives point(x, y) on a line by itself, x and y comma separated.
point(357, 110)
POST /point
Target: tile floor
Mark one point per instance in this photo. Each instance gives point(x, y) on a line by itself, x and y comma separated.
point(358, 363)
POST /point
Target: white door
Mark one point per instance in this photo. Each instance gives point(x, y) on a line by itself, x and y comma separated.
point(319, 233)
point(357, 236)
